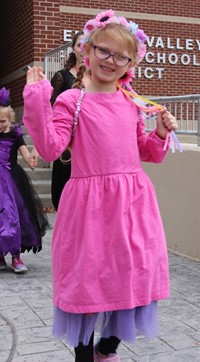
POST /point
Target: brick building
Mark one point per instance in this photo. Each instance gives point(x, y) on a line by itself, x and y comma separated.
point(30, 28)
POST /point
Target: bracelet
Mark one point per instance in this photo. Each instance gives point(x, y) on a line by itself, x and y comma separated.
point(64, 162)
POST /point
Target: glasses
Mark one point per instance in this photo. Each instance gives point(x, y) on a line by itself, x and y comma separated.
point(104, 54)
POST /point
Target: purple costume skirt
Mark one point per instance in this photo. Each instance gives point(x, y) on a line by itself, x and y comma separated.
point(126, 325)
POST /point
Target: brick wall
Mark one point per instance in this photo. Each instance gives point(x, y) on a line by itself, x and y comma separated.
point(16, 34)
point(177, 79)
point(16, 39)
point(178, 7)
point(30, 28)
point(47, 32)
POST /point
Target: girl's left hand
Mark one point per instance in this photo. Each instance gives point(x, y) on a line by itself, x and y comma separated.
point(165, 123)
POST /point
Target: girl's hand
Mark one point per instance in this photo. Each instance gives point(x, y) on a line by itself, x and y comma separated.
point(31, 163)
point(33, 158)
point(34, 75)
point(165, 123)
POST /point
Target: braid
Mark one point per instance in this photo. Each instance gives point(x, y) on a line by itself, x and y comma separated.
point(79, 76)
point(70, 62)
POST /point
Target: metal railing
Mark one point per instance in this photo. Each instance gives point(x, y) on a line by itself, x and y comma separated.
point(54, 60)
point(185, 108)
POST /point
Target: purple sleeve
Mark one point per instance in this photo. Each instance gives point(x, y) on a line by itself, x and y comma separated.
point(17, 132)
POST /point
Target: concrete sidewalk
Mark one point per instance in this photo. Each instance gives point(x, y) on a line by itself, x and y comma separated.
point(26, 315)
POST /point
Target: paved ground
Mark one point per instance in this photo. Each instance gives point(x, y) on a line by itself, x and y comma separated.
point(26, 315)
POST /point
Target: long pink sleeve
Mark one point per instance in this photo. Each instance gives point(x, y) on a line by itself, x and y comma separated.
point(50, 131)
point(151, 147)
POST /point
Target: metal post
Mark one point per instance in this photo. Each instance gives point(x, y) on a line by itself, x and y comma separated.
point(198, 134)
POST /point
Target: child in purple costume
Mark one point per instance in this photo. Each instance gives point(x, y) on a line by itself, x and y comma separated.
point(109, 250)
point(22, 219)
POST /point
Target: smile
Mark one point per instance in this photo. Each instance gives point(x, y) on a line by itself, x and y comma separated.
point(107, 69)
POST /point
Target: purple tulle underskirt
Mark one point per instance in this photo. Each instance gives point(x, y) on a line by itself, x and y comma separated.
point(123, 324)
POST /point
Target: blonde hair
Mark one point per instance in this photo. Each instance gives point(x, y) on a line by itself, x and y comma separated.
point(8, 112)
point(116, 32)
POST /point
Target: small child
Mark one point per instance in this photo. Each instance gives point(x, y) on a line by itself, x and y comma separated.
point(22, 220)
point(109, 249)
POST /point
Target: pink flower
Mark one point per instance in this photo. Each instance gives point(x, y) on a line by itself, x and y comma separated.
point(86, 61)
point(123, 21)
point(141, 51)
point(89, 26)
point(104, 18)
point(127, 77)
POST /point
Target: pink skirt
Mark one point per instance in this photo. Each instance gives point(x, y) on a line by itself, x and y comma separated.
point(126, 325)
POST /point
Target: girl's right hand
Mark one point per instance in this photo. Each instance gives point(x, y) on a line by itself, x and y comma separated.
point(31, 163)
point(35, 75)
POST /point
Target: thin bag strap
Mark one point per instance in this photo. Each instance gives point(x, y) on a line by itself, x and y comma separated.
point(77, 110)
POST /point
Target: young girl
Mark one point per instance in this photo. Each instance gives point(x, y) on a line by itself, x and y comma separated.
point(109, 249)
point(22, 221)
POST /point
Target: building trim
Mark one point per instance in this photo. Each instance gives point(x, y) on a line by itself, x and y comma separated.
point(131, 15)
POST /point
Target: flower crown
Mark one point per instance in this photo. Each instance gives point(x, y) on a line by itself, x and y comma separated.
point(4, 97)
point(106, 17)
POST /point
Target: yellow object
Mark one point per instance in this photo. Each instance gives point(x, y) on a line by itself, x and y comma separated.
point(133, 95)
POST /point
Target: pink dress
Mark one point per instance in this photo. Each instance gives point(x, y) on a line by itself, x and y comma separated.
point(109, 248)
